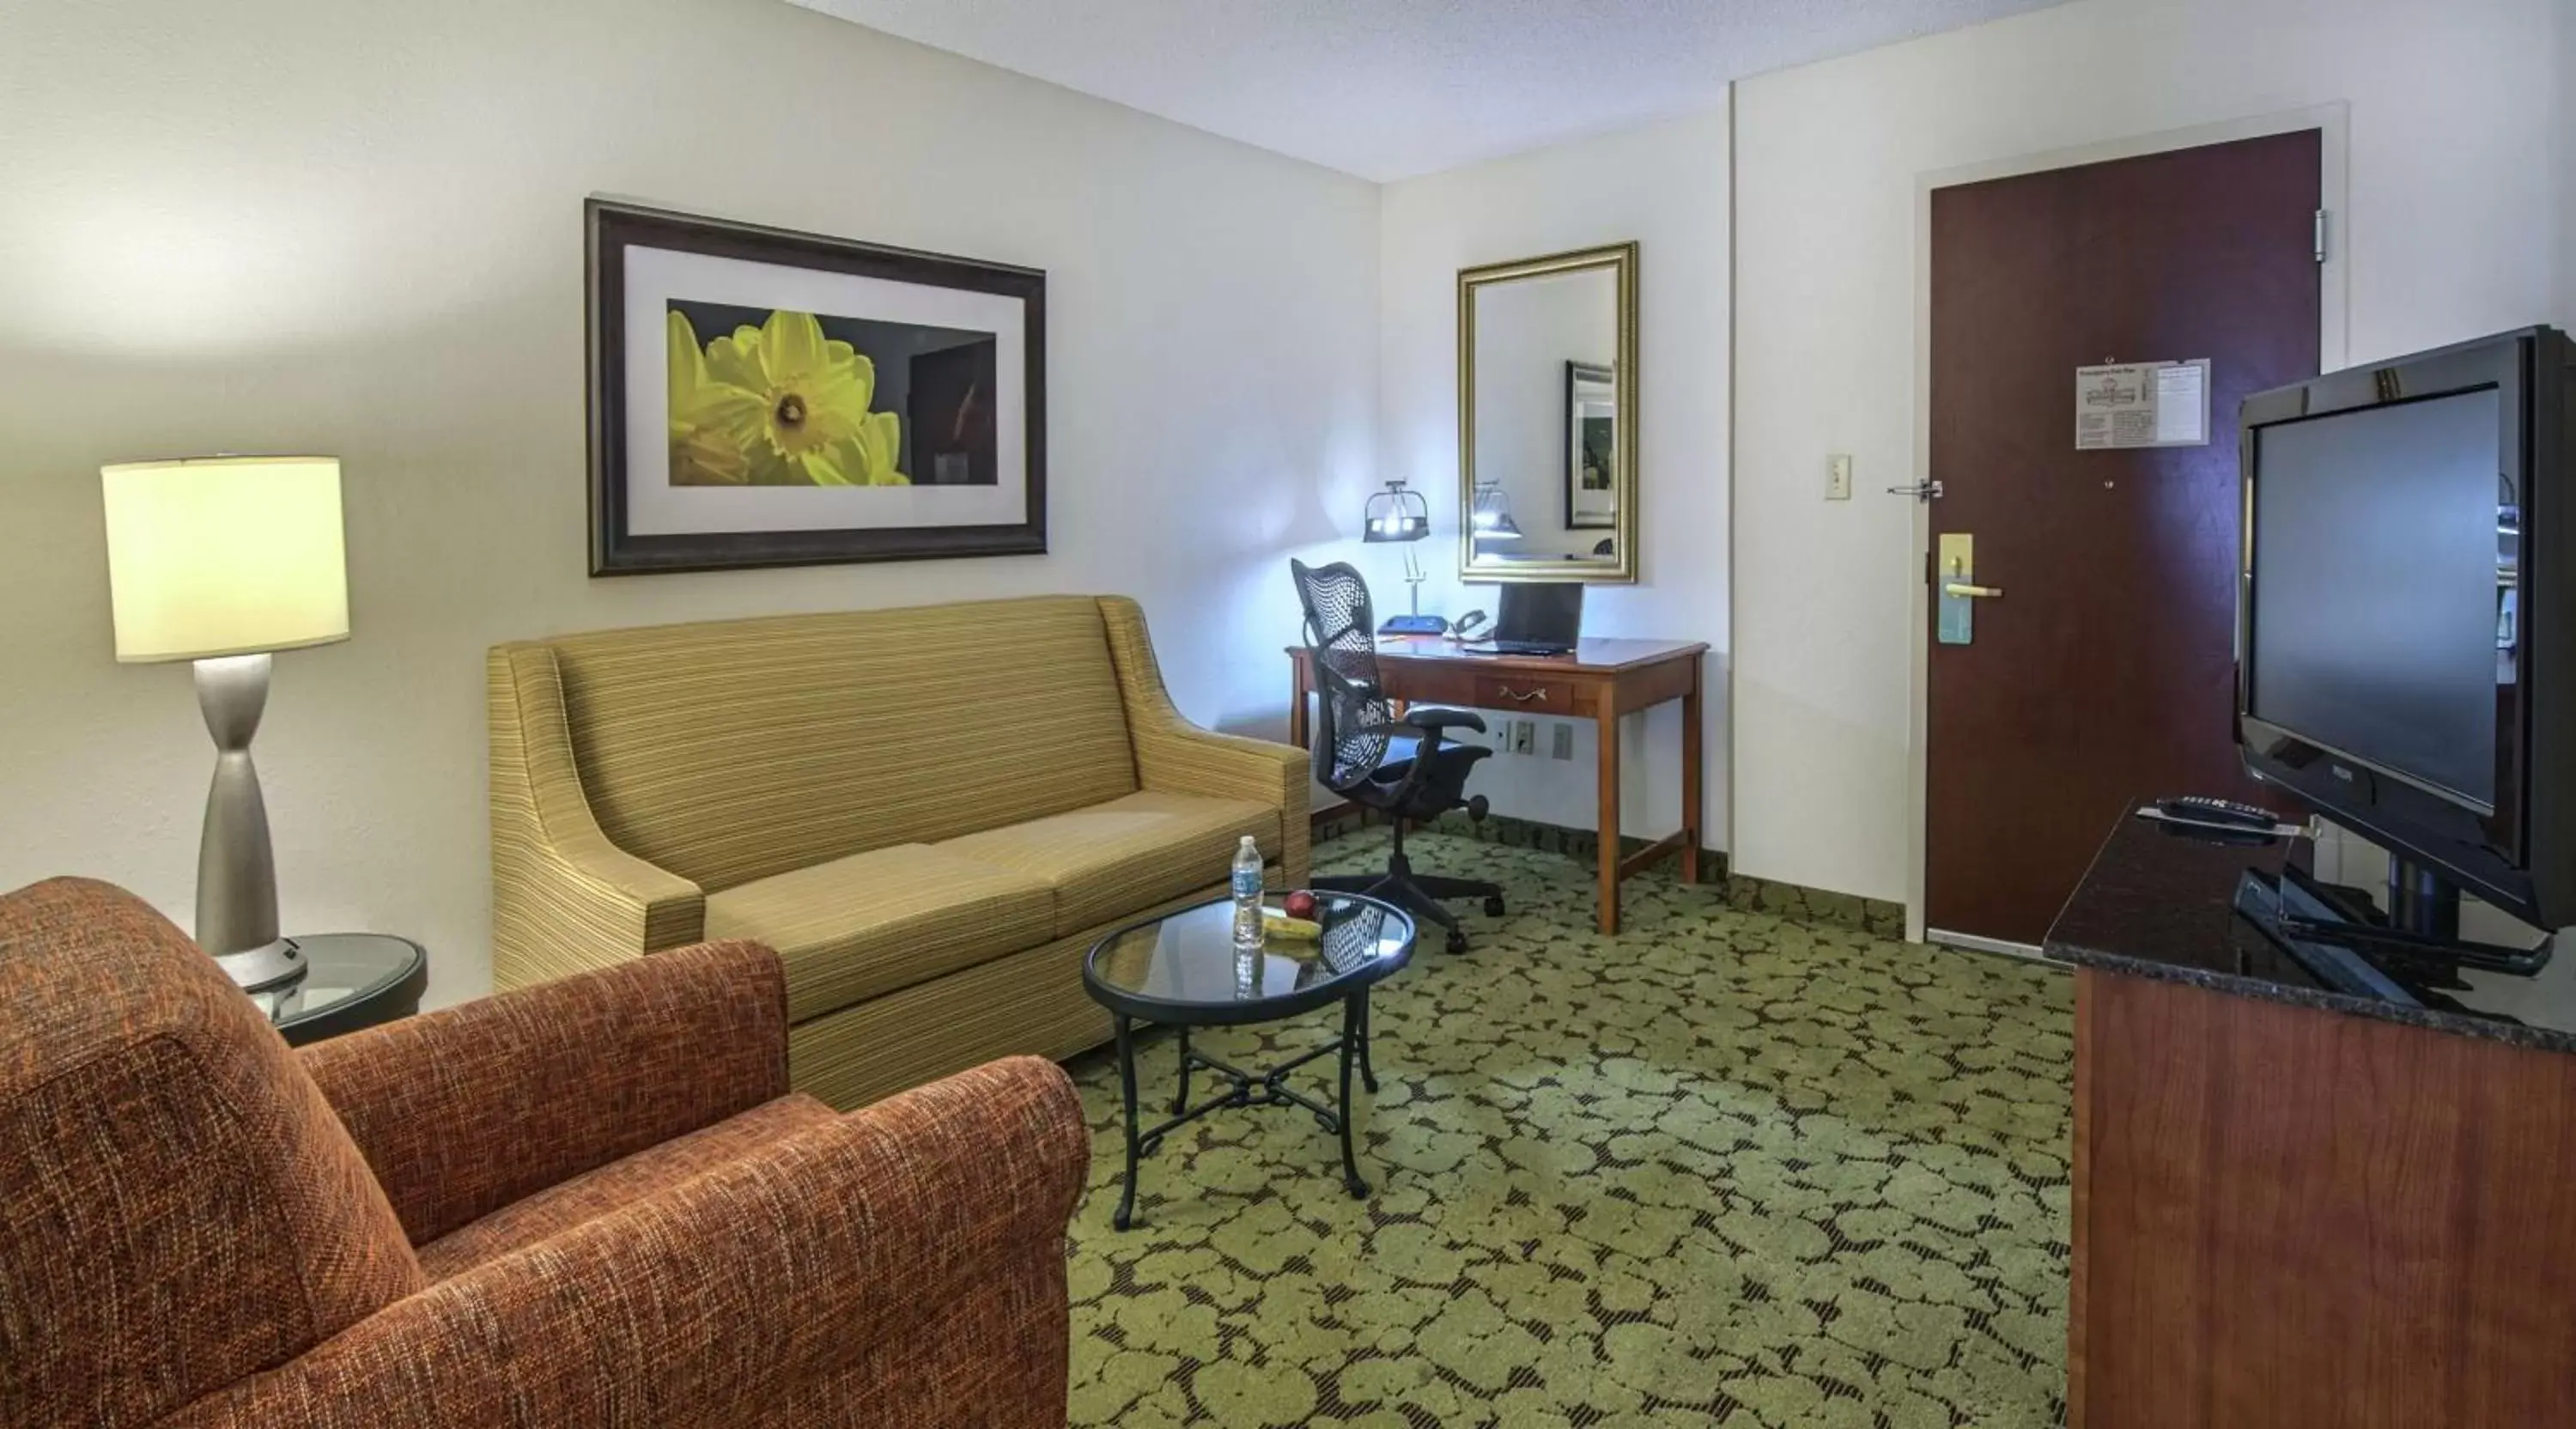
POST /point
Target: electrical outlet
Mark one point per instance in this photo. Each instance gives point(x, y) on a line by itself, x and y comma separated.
point(1838, 478)
point(1524, 736)
point(1560, 740)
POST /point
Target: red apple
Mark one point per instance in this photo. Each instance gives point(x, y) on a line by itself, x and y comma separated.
point(1301, 904)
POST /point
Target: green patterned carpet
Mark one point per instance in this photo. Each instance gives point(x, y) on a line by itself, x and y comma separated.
point(1723, 1168)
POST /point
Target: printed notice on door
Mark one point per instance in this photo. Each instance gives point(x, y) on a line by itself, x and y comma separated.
point(2142, 404)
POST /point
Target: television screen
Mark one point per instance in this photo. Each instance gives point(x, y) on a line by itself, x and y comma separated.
point(2375, 605)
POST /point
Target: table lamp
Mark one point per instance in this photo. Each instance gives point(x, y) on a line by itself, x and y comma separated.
point(221, 561)
point(1396, 514)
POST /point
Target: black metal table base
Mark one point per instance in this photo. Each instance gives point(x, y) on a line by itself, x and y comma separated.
point(1244, 1088)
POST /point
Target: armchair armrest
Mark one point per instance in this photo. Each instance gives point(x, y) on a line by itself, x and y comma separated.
point(902, 1265)
point(1414, 740)
point(1435, 718)
point(459, 1112)
point(1176, 756)
point(564, 898)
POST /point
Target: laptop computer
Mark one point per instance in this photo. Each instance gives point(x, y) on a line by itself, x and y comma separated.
point(1540, 618)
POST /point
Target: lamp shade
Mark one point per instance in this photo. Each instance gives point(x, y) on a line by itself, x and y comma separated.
point(1490, 518)
point(1396, 514)
point(225, 556)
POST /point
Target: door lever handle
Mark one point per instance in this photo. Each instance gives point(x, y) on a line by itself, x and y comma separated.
point(1972, 592)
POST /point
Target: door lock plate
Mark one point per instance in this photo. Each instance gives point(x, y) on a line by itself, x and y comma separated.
point(1956, 565)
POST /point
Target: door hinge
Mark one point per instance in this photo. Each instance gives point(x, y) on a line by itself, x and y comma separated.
point(2321, 235)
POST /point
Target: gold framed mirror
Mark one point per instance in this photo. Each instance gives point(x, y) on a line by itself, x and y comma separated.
point(1547, 418)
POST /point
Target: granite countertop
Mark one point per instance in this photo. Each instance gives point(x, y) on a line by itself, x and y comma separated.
point(2160, 903)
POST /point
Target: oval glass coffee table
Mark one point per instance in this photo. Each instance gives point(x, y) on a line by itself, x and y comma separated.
point(1182, 971)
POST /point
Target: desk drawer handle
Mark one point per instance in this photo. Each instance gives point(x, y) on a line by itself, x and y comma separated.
point(1524, 697)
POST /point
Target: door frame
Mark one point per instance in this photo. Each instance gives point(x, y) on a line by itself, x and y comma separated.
point(2333, 123)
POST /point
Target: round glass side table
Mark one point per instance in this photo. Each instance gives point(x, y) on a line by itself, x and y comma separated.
point(351, 980)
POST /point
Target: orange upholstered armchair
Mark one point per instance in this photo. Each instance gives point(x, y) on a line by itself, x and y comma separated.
point(590, 1203)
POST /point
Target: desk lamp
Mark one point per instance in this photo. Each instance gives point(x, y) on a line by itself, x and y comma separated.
point(1491, 516)
point(1396, 514)
point(221, 561)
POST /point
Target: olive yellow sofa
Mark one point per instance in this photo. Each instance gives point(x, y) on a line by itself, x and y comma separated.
point(931, 813)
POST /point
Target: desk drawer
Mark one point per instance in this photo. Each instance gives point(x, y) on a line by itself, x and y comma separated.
point(1530, 694)
point(1430, 682)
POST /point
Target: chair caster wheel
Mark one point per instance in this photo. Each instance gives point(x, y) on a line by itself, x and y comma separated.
point(1476, 808)
point(1494, 906)
point(1457, 941)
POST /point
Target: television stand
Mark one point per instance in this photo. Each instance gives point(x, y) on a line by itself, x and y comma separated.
point(2275, 1181)
point(2330, 934)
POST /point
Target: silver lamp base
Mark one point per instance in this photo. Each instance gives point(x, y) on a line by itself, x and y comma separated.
point(236, 873)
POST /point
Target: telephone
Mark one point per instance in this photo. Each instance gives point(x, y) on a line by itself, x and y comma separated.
point(1474, 625)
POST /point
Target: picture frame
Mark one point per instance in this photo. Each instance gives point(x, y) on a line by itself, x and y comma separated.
point(1591, 447)
point(763, 397)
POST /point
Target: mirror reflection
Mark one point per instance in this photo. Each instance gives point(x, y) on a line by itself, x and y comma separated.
point(1548, 474)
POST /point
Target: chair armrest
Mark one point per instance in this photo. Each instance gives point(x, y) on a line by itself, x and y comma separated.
point(459, 1112)
point(1440, 717)
point(564, 898)
point(1176, 756)
point(902, 1265)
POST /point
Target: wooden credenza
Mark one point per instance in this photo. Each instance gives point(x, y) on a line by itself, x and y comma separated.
point(2291, 1209)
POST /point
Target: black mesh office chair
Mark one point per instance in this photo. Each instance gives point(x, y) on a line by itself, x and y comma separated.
point(1378, 759)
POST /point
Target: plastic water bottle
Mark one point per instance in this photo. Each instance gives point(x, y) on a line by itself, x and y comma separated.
point(1247, 895)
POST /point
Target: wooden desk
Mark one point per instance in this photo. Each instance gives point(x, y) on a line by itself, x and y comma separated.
point(1602, 680)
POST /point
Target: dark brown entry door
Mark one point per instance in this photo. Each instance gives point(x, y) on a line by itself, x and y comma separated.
point(2105, 670)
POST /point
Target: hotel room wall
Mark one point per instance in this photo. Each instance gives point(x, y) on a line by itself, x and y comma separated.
point(288, 225)
point(2449, 235)
point(2563, 131)
point(1663, 185)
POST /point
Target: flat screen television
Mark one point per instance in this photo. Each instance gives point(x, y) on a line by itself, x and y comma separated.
point(2406, 622)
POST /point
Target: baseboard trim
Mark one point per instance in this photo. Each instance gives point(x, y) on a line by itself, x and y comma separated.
point(1876, 917)
point(1979, 943)
point(1798, 903)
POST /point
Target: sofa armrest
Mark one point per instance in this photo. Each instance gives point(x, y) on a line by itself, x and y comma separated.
point(564, 898)
point(459, 1112)
point(902, 1265)
point(1176, 756)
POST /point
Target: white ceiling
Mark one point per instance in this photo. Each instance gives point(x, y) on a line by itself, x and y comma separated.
point(1386, 89)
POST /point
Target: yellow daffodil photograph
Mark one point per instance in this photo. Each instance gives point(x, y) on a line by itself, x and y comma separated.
point(824, 399)
point(785, 398)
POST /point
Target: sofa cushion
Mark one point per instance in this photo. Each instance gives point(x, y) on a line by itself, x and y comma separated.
point(603, 1189)
point(872, 923)
point(1115, 858)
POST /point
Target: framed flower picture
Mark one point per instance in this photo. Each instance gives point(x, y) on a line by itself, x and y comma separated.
point(760, 397)
point(1591, 447)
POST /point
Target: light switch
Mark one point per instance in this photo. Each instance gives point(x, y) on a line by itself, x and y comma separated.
point(1838, 478)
